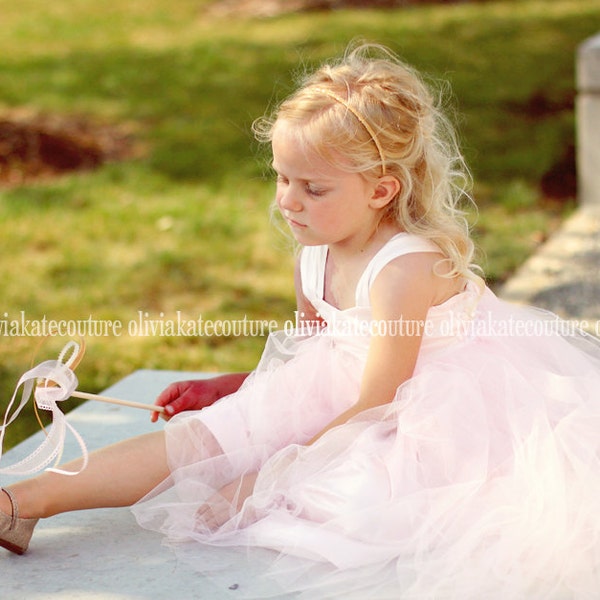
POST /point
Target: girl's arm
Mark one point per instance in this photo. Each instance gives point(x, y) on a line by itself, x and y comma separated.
point(196, 394)
point(306, 311)
point(402, 294)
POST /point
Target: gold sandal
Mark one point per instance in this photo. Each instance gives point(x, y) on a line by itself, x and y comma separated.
point(15, 532)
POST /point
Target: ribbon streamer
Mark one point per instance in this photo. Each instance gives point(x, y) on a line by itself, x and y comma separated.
point(51, 382)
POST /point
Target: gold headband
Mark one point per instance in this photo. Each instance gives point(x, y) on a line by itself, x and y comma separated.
point(363, 122)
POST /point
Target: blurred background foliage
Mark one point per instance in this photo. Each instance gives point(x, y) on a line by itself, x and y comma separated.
point(157, 201)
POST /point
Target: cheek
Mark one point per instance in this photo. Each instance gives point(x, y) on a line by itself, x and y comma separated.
point(325, 216)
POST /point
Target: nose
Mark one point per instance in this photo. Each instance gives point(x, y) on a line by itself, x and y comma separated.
point(288, 200)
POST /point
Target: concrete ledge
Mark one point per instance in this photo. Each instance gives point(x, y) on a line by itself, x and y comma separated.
point(564, 274)
point(103, 553)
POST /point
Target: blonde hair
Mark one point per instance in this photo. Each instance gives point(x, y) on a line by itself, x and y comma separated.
point(372, 114)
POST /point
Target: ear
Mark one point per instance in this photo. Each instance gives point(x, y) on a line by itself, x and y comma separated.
point(385, 190)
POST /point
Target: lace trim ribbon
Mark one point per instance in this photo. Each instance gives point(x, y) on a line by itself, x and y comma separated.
point(50, 382)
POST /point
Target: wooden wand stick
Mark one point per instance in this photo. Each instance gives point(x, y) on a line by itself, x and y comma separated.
point(87, 396)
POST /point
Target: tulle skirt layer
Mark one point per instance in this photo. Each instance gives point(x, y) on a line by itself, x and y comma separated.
point(480, 480)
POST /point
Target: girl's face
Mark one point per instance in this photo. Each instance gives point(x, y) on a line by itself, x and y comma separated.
point(323, 205)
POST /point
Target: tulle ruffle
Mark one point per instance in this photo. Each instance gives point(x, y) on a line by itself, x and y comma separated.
point(480, 480)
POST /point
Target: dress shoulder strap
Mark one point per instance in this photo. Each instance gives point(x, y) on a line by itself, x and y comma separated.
point(399, 245)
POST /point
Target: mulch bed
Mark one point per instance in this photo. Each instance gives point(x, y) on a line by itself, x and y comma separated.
point(35, 146)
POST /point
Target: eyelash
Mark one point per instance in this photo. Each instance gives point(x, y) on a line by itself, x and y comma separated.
point(315, 192)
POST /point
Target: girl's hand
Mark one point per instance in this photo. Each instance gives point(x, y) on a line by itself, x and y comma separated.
point(196, 394)
point(227, 502)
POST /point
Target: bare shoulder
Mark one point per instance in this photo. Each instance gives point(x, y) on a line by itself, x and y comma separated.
point(414, 282)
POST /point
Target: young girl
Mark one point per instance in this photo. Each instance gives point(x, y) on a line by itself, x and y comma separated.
point(428, 441)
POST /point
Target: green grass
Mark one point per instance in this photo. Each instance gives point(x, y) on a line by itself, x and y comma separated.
point(185, 227)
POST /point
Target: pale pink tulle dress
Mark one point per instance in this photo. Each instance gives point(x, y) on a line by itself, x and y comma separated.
point(480, 480)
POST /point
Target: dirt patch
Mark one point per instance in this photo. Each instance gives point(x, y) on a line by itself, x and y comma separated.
point(559, 182)
point(539, 106)
point(35, 146)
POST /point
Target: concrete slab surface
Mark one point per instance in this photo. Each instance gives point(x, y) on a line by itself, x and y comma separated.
point(104, 554)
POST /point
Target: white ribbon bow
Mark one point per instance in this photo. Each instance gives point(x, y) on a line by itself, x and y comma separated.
point(51, 382)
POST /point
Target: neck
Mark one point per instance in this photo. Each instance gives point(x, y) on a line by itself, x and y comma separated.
point(367, 245)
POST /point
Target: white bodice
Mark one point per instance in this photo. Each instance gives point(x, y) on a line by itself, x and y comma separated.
point(353, 326)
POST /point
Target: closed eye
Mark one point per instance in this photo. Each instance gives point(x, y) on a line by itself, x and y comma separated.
point(315, 191)
point(311, 189)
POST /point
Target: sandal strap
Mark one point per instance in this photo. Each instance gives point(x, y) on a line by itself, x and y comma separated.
point(14, 508)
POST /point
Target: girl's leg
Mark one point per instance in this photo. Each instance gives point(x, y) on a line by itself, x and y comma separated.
point(117, 475)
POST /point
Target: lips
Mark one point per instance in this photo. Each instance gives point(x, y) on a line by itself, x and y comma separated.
point(295, 223)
